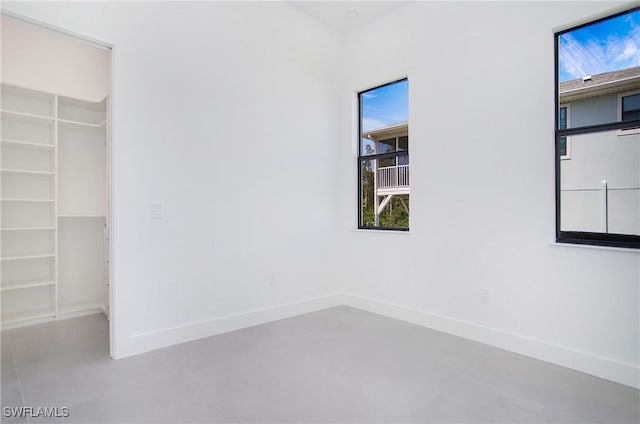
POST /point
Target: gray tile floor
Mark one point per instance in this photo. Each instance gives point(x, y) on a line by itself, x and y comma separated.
point(336, 365)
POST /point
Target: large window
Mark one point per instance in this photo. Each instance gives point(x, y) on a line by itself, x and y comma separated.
point(383, 158)
point(598, 189)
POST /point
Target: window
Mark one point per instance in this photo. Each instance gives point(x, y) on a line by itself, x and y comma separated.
point(598, 190)
point(383, 158)
point(630, 106)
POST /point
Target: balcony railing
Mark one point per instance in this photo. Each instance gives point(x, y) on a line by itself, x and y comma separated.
point(393, 176)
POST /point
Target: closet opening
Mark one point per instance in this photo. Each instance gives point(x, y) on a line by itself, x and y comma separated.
point(55, 143)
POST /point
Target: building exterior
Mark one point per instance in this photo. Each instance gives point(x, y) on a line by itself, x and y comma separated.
point(600, 172)
point(390, 186)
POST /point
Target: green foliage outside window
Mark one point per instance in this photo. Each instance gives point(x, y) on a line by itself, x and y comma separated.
point(394, 215)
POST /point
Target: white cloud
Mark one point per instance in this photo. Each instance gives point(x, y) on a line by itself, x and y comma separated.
point(578, 58)
point(630, 53)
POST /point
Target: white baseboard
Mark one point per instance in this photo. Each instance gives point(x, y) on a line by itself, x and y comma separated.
point(144, 342)
point(620, 372)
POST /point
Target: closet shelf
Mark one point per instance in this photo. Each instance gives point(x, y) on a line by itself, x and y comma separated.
point(28, 115)
point(54, 152)
point(27, 172)
point(24, 257)
point(82, 124)
point(27, 228)
point(27, 316)
point(27, 200)
point(30, 144)
point(80, 307)
point(81, 216)
point(26, 284)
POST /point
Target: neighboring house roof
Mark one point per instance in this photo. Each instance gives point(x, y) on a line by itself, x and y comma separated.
point(401, 128)
point(600, 84)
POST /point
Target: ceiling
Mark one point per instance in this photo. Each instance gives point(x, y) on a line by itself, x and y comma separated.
point(344, 16)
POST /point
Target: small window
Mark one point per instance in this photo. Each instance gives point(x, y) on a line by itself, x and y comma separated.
point(403, 142)
point(383, 159)
point(630, 107)
point(598, 190)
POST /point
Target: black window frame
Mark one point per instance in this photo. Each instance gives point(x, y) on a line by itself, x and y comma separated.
point(377, 156)
point(584, 237)
point(622, 111)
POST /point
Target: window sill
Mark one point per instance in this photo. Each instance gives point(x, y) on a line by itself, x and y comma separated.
point(632, 131)
point(374, 230)
point(591, 246)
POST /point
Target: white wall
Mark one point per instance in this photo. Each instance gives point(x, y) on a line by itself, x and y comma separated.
point(253, 104)
point(482, 191)
point(223, 114)
point(45, 60)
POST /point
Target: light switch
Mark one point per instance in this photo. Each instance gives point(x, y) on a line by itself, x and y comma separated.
point(156, 211)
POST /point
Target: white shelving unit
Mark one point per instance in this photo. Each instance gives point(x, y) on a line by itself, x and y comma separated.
point(54, 206)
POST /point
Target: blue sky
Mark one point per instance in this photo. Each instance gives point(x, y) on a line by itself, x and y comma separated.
point(385, 106)
point(607, 46)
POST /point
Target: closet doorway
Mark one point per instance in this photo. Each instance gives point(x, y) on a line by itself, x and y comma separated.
point(55, 175)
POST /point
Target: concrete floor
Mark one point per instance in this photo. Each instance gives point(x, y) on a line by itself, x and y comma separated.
point(336, 365)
